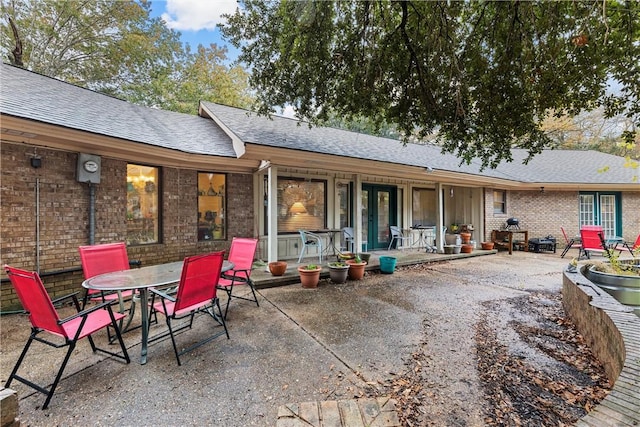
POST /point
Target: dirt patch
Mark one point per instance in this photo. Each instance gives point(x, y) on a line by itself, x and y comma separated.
point(531, 365)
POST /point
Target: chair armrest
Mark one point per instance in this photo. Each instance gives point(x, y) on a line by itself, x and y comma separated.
point(62, 298)
point(162, 294)
point(86, 312)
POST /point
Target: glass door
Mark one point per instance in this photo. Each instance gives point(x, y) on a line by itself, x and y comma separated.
point(601, 209)
point(379, 207)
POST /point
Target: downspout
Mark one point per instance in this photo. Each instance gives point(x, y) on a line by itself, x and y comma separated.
point(92, 213)
point(38, 225)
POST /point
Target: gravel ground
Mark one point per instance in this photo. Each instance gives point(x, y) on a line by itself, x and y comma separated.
point(420, 335)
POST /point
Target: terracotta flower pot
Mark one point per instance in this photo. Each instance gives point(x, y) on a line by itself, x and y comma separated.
point(309, 277)
point(466, 237)
point(356, 269)
point(278, 268)
point(467, 249)
point(487, 246)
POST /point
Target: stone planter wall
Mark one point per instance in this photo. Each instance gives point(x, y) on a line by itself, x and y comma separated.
point(613, 333)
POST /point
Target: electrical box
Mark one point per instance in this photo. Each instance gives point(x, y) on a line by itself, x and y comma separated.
point(88, 168)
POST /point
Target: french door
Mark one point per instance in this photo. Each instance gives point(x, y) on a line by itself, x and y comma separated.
point(602, 209)
point(379, 210)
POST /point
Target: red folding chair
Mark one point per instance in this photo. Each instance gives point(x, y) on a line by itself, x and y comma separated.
point(196, 294)
point(634, 247)
point(592, 241)
point(241, 254)
point(107, 258)
point(570, 244)
point(44, 318)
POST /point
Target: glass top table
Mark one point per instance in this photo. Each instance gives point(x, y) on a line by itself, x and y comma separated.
point(142, 279)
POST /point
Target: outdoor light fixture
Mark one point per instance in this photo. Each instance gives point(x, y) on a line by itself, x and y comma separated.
point(451, 192)
point(428, 169)
point(297, 208)
point(36, 162)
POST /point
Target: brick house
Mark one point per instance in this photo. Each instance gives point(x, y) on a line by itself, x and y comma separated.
point(79, 167)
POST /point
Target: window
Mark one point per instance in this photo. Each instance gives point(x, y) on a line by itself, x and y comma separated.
point(423, 206)
point(211, 206)
point(499, 202)
point(142, 205)
point(302, 204)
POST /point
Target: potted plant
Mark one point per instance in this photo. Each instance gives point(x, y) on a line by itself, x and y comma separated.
point(278, 268)
point(338, 271)
point(356, 268)
point(452, 237)
point(309, 275)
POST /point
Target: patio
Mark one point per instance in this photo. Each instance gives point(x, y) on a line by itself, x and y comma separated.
point(300, 345)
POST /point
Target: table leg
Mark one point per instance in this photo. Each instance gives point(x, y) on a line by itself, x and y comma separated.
point(510, 243)
point(144, 307)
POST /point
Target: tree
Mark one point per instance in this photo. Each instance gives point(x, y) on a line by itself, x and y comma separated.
point(482, 76)
point(104, 45)
point(115, 47)
point(205, 77)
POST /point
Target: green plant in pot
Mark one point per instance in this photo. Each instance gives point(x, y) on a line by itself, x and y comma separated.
point(338, 271)
point(356, 268)
point(309, 275)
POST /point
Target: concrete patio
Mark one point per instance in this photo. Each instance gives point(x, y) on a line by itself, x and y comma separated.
point(300, 345)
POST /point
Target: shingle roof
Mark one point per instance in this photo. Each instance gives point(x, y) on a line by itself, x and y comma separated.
point(32, 96)
point(550, 166)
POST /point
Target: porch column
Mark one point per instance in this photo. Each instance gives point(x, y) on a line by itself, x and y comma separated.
point(357, 220)
point(439, 218)
point(272, 214)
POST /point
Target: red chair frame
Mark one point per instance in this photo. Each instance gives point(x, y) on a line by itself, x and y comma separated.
point(570, 244)
point(197, 293)
point(634, 247)
point(44, 318)
point(241, 254)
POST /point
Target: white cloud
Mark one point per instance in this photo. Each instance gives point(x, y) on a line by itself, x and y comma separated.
point(196, 15)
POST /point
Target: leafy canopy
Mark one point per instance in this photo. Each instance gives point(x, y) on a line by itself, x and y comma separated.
point(115, 47)
point(481, 75)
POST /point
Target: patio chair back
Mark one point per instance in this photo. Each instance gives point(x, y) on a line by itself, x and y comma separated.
point(200, 275)
point(309, 239)
point(104, 258)
point(241, 254)
point(592, 239)
point(107, 258)
point(35, 300)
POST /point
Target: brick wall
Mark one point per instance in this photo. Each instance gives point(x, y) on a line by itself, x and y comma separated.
point(64, 218)
point(543, 214)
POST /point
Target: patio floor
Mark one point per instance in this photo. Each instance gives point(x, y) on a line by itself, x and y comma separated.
point(300, 346)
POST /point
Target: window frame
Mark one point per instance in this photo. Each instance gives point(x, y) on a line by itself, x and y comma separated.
point(282, 206)
point(500, 207)
point(142, 214)
point(211, 210)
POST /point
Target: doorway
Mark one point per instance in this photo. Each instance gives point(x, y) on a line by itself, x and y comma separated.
point(379, 210)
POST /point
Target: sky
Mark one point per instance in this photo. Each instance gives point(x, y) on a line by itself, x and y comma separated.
point(196, 20)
